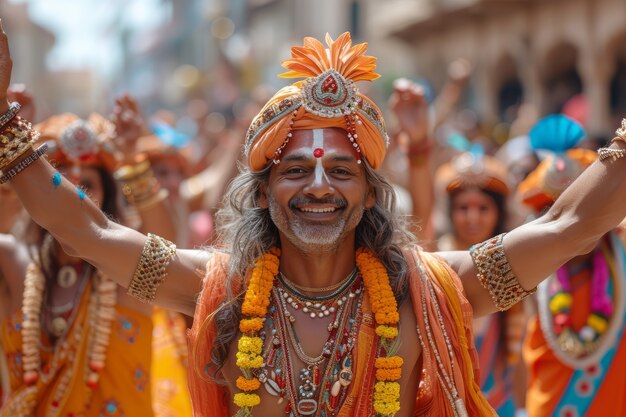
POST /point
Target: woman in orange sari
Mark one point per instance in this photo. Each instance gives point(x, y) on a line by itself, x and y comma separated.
point(72, 339)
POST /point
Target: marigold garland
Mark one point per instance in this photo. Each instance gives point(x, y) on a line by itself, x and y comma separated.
point(254, 308)
point(385, 309)
point(250, 345)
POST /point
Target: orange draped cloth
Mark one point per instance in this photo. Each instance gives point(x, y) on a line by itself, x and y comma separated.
point(211, 399)
point(123, 389)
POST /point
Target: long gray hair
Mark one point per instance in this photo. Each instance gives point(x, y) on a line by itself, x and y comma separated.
point(246, 231)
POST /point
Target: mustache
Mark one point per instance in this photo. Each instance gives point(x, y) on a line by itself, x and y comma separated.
point(299, 201)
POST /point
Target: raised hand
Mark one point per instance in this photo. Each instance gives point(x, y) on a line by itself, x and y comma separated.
point(129, 126)
point(460, 70)
point(6, 66)
point(19, 93)
point(410, 107)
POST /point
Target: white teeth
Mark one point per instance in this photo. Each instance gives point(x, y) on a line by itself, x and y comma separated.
point(316, 210)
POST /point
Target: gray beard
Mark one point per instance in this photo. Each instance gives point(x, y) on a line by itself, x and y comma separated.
point(312, 237)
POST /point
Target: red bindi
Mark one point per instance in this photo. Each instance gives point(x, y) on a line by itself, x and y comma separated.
point(318, 152)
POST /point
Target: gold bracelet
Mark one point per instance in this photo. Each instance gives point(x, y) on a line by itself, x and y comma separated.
point(151, 269)
point(495, 274)
point(130, 172)
point(614, 154)
point(151, 201)
point(15, 140)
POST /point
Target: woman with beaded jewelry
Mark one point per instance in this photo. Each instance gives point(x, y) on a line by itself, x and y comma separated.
point(310, 207)
point(575, 349)
point(476, 189)
point(70, 340)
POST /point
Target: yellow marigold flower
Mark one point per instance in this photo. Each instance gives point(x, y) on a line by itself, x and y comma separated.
point(251, 325)
point(389, 363)
point(246, 400)
point(393, 374)
point(387, 332)
point(386, 391)
point(248, 361)
point(249, 344)
point(248, 384)
point(386, 408)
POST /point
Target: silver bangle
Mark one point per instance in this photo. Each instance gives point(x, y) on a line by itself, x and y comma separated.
point(11, 112)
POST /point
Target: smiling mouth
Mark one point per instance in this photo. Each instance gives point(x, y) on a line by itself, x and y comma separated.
point(318, 210)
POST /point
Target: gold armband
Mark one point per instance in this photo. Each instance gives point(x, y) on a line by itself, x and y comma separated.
point(151, 269)
point(495, 274)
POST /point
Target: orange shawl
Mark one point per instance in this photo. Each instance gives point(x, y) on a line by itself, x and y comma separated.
point(211, 399)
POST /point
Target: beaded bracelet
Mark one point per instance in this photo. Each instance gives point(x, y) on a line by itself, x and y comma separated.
point(495, 274)
point(11, 112)
point(24, 163)
point(139, 185)
point(614, 154)
point(150, 272)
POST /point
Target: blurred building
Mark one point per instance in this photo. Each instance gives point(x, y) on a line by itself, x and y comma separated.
point(30, 44)
point(553, 54)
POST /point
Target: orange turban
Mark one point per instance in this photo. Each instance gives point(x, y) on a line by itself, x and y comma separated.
point(328, 97)
point(552, 176)
point(78, 142)
point(470, 170)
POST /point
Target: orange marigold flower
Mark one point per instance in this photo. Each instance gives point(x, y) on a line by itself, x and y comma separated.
point(248, 384)
point(389, 363)
point(251, 325)
point(393, 374)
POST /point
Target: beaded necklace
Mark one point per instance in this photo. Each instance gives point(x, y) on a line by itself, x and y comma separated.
point(324, 379)
point(583, 348)
point(101, 312)
point(250, 358)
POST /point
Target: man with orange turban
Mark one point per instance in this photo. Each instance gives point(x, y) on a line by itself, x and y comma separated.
point(316, 300)
point(575, 350)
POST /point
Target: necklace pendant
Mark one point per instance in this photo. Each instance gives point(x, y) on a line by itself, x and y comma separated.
point(67, 276)
point(272, 387)
point(345, 377)
point(59, 326)
point(307, 407)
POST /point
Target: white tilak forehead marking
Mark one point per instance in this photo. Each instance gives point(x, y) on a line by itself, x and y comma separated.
point(318, 138)
point(318, 142)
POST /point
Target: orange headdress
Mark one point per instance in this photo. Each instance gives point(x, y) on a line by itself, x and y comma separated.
point(328, 97)
point(78, 142)
point(473, 170)
point(557, 134)
point(552, 176)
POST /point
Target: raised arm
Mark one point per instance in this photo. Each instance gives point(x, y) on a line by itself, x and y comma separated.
point(411, 109)
point(592, 206)
point(140, 187)
point(82, 229)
